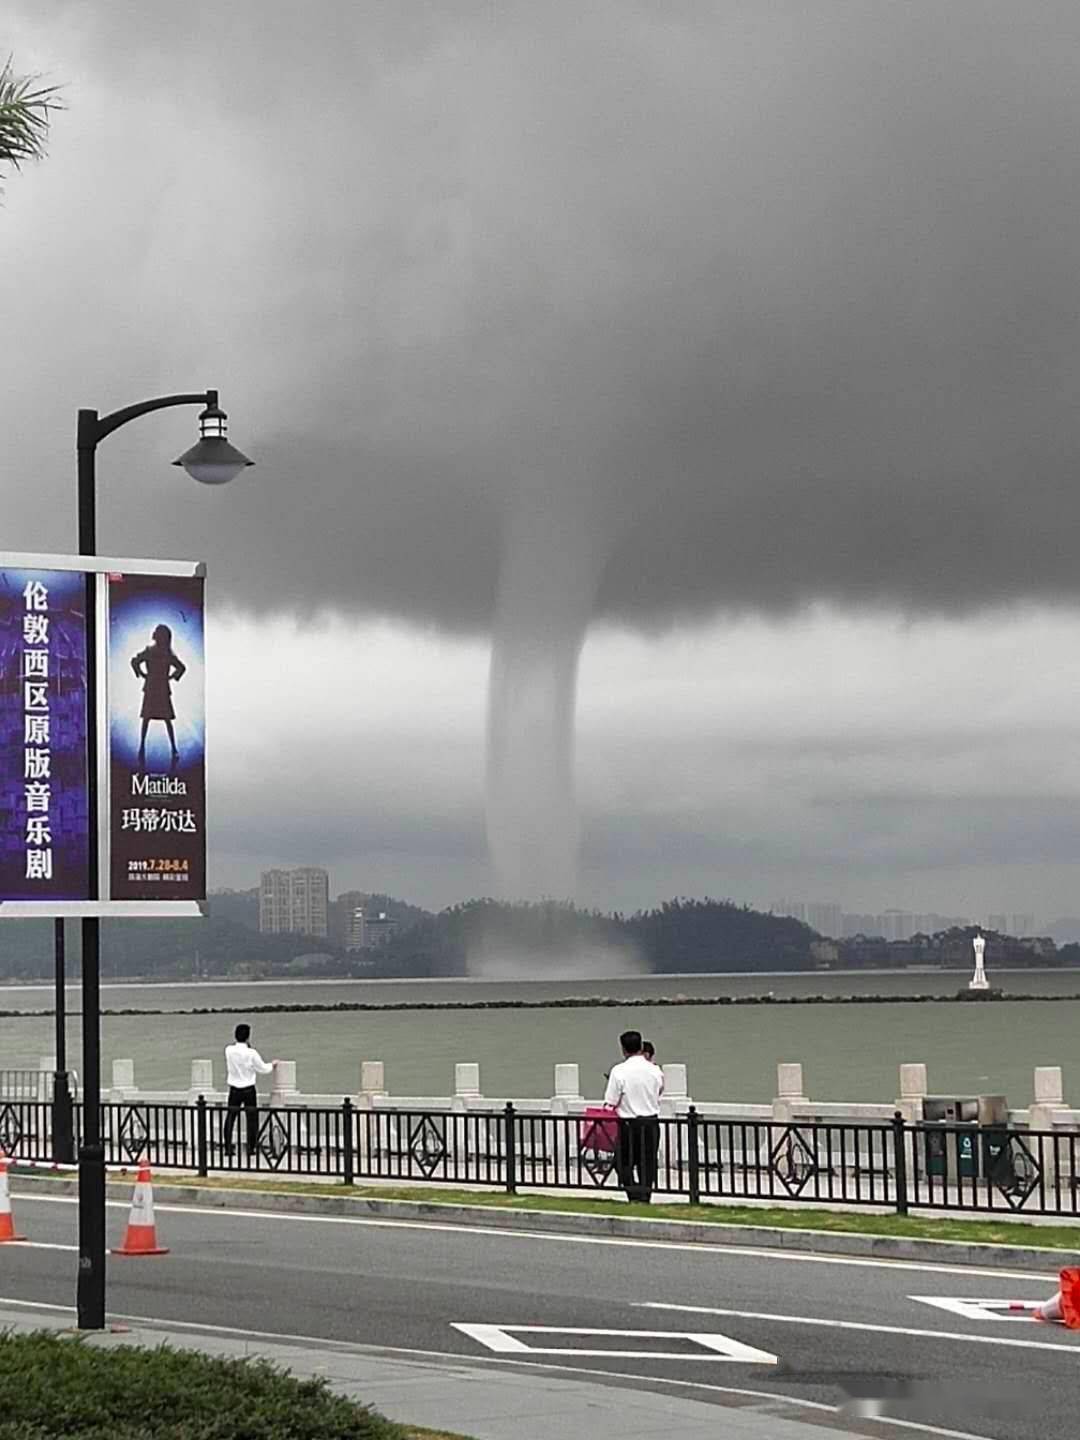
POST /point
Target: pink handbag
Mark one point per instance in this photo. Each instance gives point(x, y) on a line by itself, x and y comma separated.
point(599, 1129)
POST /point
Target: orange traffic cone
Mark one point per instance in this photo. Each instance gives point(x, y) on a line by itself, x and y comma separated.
point(7, 1220)
point(1070, 1298)
point(1064, 1307)
point(140, 1238)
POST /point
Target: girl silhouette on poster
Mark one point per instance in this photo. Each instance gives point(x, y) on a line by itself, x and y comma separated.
point(157, 667)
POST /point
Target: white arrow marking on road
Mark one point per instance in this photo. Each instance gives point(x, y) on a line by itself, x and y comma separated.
point(982, 1309)
point(501, 1338)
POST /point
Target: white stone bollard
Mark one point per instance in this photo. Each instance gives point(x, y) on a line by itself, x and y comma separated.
point(789, 1081)
point(789, 1088)
point(568, 1082)
point(283, 1082)
point(1049, 1085)
point(913, 1091)
point(123, 1074)
point(674, 1095)
point(466, 1085)
point(202, 1077)
point(372, 1077)
point(913, 1082)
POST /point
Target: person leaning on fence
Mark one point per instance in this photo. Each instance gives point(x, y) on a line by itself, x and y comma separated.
point(633, 1091)
point(243, 1063)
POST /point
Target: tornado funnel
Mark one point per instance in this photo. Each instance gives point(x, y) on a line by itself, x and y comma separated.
point(548, 578)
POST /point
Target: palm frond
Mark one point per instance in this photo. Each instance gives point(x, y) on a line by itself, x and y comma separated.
point(25, 112)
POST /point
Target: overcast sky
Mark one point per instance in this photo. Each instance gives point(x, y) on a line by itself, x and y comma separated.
point(778, 302)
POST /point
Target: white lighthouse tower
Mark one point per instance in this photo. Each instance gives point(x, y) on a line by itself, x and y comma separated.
point(979, 981)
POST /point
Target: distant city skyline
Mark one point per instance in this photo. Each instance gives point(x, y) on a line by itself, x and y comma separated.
point(895, 923)
point(294, 898)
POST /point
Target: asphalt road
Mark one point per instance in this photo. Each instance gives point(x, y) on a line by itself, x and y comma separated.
point(817, 1328)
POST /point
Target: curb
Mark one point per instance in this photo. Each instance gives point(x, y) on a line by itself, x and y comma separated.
point(566, 1222)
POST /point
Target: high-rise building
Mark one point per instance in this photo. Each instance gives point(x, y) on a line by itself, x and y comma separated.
point(369, 932)
point(275, 902)
point(1022, 925)
point(897, 924)
point(825, 918)
point(342, 911)
point(294, 902)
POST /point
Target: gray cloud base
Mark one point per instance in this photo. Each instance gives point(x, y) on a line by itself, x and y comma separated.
point(784, 298)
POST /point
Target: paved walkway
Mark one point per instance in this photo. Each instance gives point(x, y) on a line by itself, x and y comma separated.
point(491, 1402)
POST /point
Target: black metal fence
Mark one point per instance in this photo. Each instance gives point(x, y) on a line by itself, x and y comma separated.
point(890, 1165)
point(32, 1084)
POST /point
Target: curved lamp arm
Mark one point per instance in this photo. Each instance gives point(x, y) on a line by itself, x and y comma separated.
point(94, 428)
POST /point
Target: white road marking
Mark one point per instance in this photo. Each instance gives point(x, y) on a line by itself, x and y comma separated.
point(859, 1325)
point(497, 1232)
point(501, 1338)
point(982, 1309)
point(42, 1245)
point(773, 1397)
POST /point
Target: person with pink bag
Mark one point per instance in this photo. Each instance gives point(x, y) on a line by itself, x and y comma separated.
point(633, 1092)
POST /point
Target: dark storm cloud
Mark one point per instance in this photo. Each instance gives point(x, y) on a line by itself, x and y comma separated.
point(781, 300)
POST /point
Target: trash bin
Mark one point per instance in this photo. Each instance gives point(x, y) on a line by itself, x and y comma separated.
point(952, 1153)
point(997, 1161)
point(950, 1149)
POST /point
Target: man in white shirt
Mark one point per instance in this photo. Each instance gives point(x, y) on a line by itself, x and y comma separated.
point(243, 1062)
point(634, 1089)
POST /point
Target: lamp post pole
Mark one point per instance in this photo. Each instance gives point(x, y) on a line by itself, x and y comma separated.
point(62, 1117)
point(92, 429)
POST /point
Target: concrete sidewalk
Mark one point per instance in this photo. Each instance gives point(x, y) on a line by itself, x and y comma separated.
point(495, 1401)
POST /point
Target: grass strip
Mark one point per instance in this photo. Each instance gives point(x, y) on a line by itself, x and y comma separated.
point(838, 1222)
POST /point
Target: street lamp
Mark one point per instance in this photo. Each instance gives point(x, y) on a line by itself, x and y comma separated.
point(212, 461)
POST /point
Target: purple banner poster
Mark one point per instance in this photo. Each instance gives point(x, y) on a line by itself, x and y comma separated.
point(157, 737)
point(44, 821)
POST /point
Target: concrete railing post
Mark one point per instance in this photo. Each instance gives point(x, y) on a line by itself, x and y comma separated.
point(283, 1082)
point(466, 1085)
point(372, 1081)
point(202, 1078)
point(789, 1088)
point(676, 1095)
point(123, 1078)
point(567, 1089)
point(559, 1141)
point(1047, 1113)
point(1049, 1085)
point(909, 1107)
point(913, 1092)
